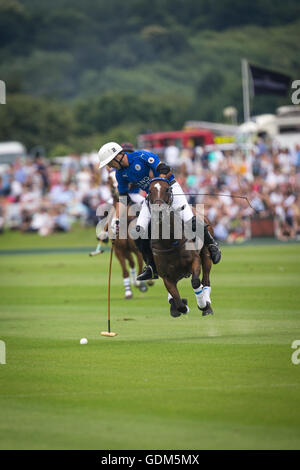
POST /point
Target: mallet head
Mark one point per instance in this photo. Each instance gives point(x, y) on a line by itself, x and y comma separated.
point(95, 253)
point(107, 333)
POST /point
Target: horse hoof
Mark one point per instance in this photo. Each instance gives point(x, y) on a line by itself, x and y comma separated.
point(173, 310)
point(150, 283)
point(143, 287)
point(175, 313)
point(207, 310)
point(187, 308)
point(128, 295)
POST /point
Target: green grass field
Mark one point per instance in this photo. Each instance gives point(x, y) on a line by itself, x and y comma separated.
point(221, 382)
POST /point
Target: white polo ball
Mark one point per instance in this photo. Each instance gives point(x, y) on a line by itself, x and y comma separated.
point(83, 341)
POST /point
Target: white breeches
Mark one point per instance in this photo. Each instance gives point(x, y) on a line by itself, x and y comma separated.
point(136, 198)
point(179, 200)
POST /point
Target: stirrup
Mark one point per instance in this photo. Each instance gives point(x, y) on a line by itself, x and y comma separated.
point(147, 274)
point(154, 272)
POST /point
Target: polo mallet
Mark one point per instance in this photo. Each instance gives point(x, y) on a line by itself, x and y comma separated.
point(109, 333)
point(98, 251)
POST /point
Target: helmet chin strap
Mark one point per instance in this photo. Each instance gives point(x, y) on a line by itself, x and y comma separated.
point(120, 162)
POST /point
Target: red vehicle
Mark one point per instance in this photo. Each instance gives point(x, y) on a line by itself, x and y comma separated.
point(157, 141)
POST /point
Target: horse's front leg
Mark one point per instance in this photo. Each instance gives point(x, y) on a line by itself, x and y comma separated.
point(206, 259)
point(206, 267)
point(178, 305)
point(196, 284)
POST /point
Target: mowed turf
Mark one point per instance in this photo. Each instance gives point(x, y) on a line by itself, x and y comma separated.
point(221, 382)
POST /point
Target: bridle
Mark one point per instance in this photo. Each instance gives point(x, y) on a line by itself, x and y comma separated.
point(168, 190)
point(176, 244)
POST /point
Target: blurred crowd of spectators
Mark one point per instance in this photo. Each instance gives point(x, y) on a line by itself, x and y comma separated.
point(269, 176)
point(46, 196)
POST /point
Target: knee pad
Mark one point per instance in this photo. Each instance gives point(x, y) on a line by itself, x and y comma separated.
point(141, 231)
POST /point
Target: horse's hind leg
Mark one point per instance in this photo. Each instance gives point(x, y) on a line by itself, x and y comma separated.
point(140, 261)
point(177, 305)
point(206, 267)
point(206, 259)
point(140, 284)
point(196, 284)
point(132, 266)
point(126, 278)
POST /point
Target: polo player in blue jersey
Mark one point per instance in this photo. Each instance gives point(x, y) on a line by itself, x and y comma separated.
point(133, 168)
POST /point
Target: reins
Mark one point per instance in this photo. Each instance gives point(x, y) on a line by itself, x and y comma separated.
point(168, 250)
point(222, 195)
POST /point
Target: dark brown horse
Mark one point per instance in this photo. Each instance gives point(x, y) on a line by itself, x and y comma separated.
point(175, 260)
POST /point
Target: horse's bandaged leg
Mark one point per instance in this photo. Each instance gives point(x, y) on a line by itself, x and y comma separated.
point(200, 296)
point(206, 295)
point(126, 282)
point(133, 276)
point(128, 292)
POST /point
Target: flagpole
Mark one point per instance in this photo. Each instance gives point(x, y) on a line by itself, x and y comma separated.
point(245, 81)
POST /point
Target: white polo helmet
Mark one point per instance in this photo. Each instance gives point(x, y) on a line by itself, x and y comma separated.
point(108, 152)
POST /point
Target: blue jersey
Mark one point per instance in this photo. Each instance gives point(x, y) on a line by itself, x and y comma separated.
point(137, 173)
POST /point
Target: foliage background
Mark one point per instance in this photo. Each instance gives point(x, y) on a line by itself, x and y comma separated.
point(79, 73)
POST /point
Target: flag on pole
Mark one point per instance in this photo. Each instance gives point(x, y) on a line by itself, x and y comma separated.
point(268, 82)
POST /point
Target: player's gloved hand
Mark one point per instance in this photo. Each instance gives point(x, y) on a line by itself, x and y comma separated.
point(115, 226)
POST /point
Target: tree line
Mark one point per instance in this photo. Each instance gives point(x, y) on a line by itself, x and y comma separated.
point(79, 72)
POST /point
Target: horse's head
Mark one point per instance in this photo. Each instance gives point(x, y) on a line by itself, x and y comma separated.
point(160, 192)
